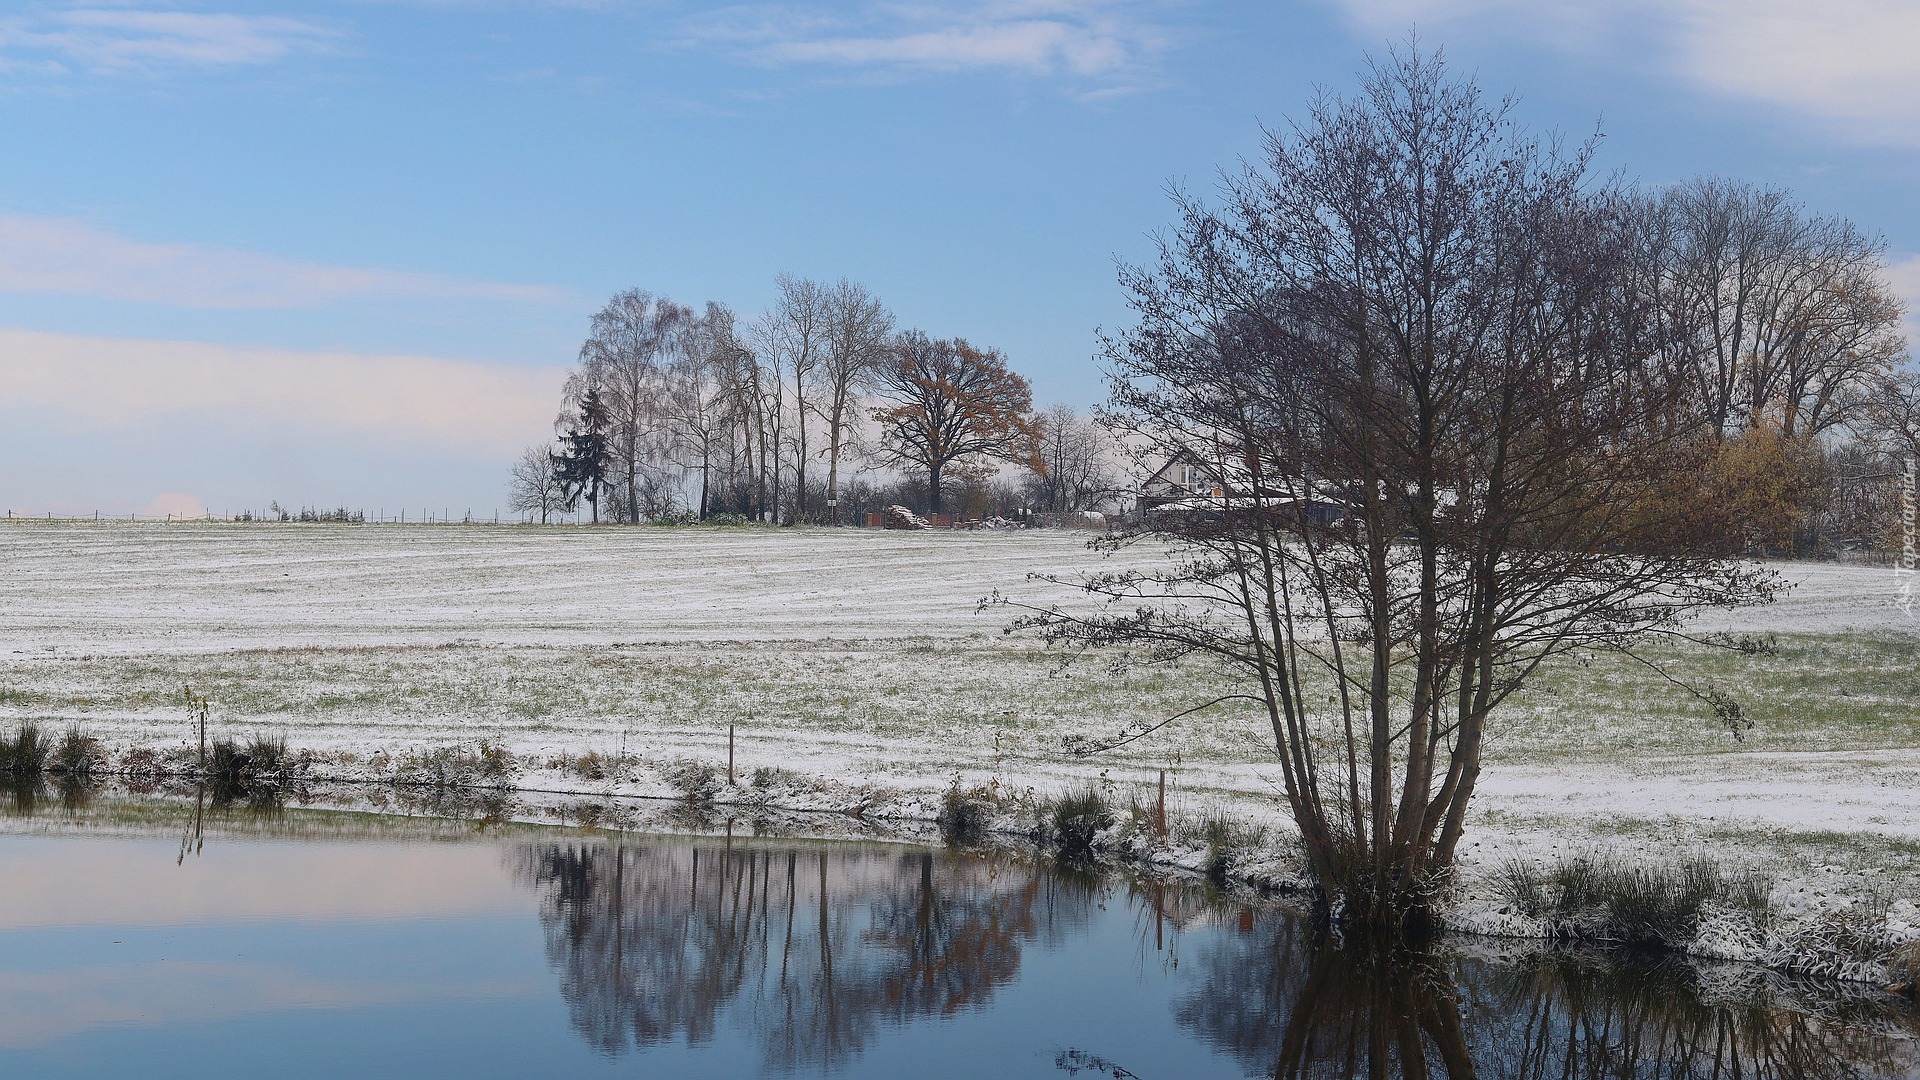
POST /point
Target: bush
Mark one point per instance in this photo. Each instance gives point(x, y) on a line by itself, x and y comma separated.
point(963, 815)
point(1228, 843)
point(142, 763)
point(227, 766)
point(268, 757)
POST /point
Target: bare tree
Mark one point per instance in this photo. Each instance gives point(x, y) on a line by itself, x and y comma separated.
point(950, 404)
point(1893, 415)
point(858, 326)
point(701, 398)
point(534, 486)
point(1781, 316)
point(794, 336)
point(1076, 467)
point(763, 392)
point(627, 344)
point(1404, 344)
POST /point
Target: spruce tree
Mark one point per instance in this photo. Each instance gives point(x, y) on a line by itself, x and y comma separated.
point(581, 465)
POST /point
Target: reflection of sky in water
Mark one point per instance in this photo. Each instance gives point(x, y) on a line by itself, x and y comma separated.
point(553, 956)
point(297, 959)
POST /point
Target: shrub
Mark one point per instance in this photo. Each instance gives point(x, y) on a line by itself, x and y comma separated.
point(227, 764)
point(142, 763)
point(963, 815)
point(770, 776)
point(268, 757)
point(1228, 843)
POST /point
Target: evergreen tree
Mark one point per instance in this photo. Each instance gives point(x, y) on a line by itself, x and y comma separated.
point(585, 454)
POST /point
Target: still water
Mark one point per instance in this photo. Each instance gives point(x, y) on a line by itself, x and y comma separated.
point(334, 945)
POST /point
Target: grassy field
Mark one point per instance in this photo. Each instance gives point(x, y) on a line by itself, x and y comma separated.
point(860, 655)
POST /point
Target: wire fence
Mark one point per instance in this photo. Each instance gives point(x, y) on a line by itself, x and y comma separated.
point(305, 516)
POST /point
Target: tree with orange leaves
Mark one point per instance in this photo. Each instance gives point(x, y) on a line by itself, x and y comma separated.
point(950, 404)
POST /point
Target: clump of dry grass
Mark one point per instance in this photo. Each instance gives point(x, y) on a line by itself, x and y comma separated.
point(26, 753)
point(484, 765)
point(78, 756)
point(1905, 967)
point(1076, 818)
point(696, 781)
point(1595, 897)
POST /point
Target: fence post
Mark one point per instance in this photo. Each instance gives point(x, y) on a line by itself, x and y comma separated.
point(730, 782)
point(1160, 809)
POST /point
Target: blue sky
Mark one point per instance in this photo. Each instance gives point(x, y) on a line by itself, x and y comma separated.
point(338, 251)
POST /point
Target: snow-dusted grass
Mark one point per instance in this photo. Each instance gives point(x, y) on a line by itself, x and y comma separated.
point(859, 655)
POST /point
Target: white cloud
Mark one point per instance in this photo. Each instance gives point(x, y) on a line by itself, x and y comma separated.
point(63, 256)
point(1084, 38)
point(1904, 275)
point(487, 409)
point(132, 40)
point(1850, 63)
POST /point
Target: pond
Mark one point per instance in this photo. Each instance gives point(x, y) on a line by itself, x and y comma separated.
point(316, 944)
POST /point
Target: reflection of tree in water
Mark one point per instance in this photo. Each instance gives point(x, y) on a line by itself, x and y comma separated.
point(811, 950)
point(1287, 1006)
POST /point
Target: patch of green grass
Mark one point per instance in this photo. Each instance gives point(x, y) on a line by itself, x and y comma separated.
point(1816, 692)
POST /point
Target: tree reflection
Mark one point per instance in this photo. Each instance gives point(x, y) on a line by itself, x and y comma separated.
point(1289, 1004)
point(812, 951)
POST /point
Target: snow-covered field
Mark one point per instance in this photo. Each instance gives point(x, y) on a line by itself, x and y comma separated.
point(861, 655)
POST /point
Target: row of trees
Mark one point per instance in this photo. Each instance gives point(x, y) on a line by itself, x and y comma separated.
point(815, 410)
point(1784, 329)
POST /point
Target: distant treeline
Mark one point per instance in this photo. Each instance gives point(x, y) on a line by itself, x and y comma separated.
point(819, 409)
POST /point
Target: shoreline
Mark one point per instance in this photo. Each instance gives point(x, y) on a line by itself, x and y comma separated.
point(1236, 858)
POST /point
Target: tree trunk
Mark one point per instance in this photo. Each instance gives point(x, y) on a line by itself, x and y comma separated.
point(706, 470)
point(834, 421)
point(800, 440)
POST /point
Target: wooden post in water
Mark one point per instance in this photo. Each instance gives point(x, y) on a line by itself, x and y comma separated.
point(1160, 809)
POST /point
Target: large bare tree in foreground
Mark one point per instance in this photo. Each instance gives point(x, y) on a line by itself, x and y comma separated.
point(1408, 344)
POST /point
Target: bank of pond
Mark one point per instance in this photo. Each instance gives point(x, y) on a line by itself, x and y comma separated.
point(165, 936)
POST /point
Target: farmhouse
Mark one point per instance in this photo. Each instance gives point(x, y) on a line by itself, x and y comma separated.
point(1189, 482)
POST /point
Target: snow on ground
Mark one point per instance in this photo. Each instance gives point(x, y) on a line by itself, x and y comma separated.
point(860, 655)
point(1832, 598)
point(123, 589)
